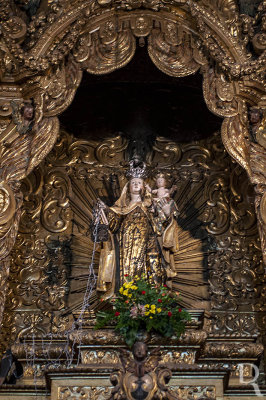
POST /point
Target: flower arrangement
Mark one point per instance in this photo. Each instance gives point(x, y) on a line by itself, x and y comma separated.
point(142, 305)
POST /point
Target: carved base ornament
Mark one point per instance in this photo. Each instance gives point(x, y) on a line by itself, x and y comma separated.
point(140, 377)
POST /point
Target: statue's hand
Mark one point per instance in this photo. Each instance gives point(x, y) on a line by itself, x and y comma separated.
point(166, 207)
point(173, 189)
point(101, 204)
point(148, 188)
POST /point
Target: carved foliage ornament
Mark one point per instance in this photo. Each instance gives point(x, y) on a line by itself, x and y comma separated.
point(54, 234)
point(181, 39)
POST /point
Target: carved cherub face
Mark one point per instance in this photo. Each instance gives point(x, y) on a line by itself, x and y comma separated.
point(160, 181)
point(28, 112)
point(136, 186)
point(140, 351)
point(254, 116)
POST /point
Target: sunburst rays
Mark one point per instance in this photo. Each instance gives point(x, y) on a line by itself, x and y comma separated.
point(190, 260)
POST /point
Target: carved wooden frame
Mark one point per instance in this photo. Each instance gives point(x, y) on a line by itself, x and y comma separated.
point(43, 60)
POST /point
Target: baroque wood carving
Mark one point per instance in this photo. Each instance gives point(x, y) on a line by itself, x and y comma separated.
point(219, 255)
point(43, 54)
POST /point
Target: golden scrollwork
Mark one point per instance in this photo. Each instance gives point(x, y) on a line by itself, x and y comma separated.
point(7, 203)
point(169, 153)
point(98, 54)
point(15, 28)
point(219, 93)
point(42, 60)
point(93, 393)
point(194, 337)
point(59, 92)
point(106, 40)
point(52, 350)
point(166, 49)
point(193, 392)
point(173, 356)
point(55, 213)
point(40, 258)
point(100, 357)
point(235, 350)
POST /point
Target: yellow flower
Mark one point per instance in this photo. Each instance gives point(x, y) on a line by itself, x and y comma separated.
point(129, 295)
point(125, 293)
point(134, 287)
point(153, 310)
point(128, 285)
point(147, 313)
point(159, 310)
point(151, 317)
point(147, 305)
point(121, 290)
point(153, 306)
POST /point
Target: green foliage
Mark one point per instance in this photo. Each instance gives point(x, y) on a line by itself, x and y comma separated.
point(144, 306)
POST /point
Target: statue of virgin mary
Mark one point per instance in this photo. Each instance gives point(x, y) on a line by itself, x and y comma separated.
point(142, 238)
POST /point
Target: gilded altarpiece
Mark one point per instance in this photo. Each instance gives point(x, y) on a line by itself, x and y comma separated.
point(47, 197)
point(219, 265)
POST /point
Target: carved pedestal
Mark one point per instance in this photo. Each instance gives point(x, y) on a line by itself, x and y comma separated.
point(202, 367)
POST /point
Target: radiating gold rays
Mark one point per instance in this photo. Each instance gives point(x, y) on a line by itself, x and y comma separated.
point(190, 260)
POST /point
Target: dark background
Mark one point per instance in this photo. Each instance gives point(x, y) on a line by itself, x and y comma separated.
point(140, 100)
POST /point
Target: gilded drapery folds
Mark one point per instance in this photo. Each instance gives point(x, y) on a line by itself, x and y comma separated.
point(147, 240)
point(44, 51)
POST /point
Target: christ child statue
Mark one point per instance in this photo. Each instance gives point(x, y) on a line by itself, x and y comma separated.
point(162, 191)
point(163, 195)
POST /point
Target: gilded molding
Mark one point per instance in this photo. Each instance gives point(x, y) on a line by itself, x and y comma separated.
point(233, 350)
point(42, 61)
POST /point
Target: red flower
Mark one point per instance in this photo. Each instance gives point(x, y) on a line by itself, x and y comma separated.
point(163, 294)
point(169, 314)
point(126, 301)
point(159, 300)
point(117, 313)
point(164, 285)
point(126, 275)
point(180, 309)
point(143, 292)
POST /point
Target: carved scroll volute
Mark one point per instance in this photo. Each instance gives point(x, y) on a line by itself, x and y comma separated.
point(112, 151)
point(169, 152)
point(55, 214)
point(26, 152)
point(59, 88)
point(258, 178)
point(10, 203)
point(7, 203)
point(234, 136)
point(219, 93)
point(10, 210)
point(15, 28)
point(251, 156)
point(175, 50)
point(107, 49)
